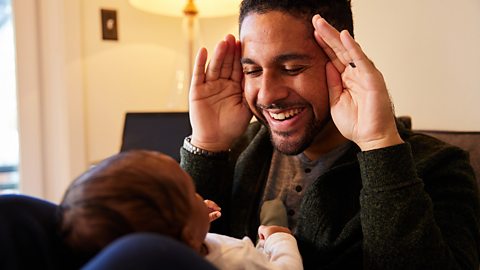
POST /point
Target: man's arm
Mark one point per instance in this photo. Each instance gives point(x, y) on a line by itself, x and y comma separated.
point(412, 221)
point(409, 221)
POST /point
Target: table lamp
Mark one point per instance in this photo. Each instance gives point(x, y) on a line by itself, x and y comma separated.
point(189, 10)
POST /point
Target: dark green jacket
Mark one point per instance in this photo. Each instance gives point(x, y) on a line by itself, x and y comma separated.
point(410, 206)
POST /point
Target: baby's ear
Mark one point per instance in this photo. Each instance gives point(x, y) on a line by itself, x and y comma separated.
point(188, 239)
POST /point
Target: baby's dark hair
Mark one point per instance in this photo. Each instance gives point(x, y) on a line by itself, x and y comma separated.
point(337, 12)
point(129, 192)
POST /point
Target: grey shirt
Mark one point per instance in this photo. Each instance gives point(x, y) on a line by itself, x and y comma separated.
point(289, 177)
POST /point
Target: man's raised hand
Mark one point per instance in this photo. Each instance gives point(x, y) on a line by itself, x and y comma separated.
point(218, 110)
point(359, 101)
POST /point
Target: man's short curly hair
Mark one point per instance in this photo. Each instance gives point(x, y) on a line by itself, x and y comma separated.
point(337, 12)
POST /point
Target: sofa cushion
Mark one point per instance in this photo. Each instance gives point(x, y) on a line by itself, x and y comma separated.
point(468, 141)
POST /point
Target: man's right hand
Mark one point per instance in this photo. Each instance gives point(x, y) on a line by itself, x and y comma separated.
point(218, 111)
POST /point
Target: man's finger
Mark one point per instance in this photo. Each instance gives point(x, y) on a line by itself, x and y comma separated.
point(329, 52)
point(215, 66)
point(358, 57)
point(334, 83)
point(237, 73)
point(198, 76)
point(227, 67)
point(331, 37)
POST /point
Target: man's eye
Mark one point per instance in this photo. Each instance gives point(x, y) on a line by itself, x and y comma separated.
point(293, 70)
point(252, 71)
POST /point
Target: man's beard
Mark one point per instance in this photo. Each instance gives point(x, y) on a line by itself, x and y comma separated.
point(312, 130)
point(289, 147)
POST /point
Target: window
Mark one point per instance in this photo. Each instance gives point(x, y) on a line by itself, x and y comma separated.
point(9, 151)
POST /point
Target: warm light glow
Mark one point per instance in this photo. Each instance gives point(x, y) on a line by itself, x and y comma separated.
point(189, 10)
point(206, 8)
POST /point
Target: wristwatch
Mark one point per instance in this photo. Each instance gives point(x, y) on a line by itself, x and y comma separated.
point(187, 145)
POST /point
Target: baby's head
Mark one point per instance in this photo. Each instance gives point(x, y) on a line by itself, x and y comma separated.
point(136, 191)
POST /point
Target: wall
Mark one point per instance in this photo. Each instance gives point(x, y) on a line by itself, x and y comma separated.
point(429, 53)
point(50, 95)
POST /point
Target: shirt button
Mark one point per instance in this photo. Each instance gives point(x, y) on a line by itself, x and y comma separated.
point(298, 188)
point(291, 212)
point(308, 170)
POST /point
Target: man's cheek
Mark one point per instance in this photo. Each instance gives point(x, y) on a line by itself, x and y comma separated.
point(249, 94)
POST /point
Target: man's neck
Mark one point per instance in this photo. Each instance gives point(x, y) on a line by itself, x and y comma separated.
point(327, 140)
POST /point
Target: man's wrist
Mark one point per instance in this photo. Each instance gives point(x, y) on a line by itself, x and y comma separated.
point(381, 143)
point(189, 147)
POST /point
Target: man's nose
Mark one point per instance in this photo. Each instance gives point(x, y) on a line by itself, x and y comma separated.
point(272, 89)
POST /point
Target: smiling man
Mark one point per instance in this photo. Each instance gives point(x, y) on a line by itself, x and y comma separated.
point(361, 190)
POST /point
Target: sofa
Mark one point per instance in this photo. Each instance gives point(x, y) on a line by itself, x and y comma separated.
point(467, 140)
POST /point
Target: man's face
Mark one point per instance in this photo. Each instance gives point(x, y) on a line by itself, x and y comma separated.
point(285, 84)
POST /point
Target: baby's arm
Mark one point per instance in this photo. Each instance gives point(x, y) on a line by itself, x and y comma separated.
point(280, 247)
point(265, 231)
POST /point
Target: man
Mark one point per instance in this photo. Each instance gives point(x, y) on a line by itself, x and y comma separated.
point(361, 190)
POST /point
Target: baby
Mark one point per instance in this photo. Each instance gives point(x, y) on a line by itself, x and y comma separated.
point(145, 191)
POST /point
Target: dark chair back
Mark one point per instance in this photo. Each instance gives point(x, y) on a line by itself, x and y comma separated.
point(159, 131)
point(467, 140)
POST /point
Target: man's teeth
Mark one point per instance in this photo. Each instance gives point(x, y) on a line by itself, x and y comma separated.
point(284, 115)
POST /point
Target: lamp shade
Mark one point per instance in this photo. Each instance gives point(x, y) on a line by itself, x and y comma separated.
point(174, 8)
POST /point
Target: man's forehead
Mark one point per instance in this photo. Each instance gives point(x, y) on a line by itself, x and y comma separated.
point(277, 38)
point(273, 25)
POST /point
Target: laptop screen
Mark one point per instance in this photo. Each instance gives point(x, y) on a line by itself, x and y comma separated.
point(159, 131)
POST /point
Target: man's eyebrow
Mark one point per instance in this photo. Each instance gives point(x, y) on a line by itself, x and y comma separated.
point(247, 61)
point(291, 56)
point(280, 58)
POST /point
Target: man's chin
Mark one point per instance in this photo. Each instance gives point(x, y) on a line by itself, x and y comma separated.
point(288, 144)
point(297, 141)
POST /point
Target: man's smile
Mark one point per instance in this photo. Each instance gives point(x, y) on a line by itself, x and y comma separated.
point(282, 121)
point(284, 115)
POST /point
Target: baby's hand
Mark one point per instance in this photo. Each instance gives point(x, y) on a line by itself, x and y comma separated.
point(265, 231)
point(214, 210)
